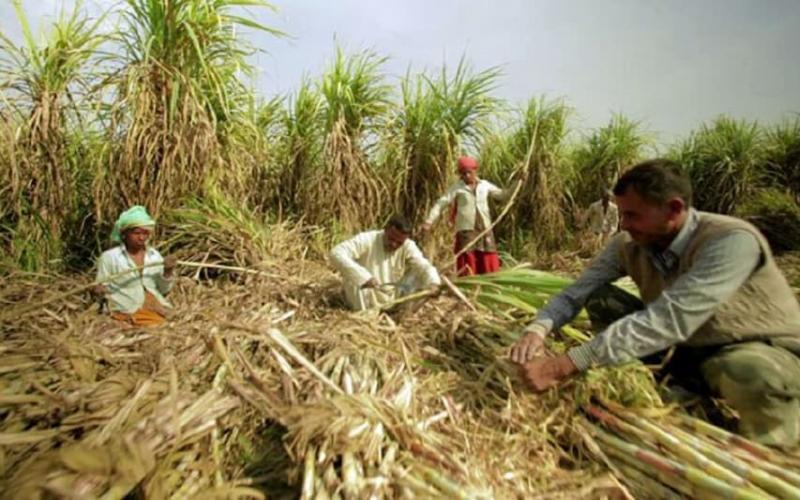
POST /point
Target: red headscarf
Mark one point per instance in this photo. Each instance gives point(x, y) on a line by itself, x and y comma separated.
point(467, 163)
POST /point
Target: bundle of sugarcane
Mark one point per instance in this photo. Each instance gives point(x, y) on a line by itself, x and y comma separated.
point(94, 409)
point(675, 454)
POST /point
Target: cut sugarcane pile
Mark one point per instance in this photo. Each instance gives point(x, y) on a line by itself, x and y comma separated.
point(673, 455)
point(257, 389)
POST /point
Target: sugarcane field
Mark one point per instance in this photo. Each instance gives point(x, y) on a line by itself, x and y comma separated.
point(395, 280)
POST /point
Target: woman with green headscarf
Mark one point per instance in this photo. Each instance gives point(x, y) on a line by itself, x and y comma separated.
point(135, 297)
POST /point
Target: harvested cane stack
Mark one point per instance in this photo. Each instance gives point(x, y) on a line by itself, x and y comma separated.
point(677, 455)
point(257, 389)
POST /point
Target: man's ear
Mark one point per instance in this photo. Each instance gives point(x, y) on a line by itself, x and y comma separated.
point(675, 206)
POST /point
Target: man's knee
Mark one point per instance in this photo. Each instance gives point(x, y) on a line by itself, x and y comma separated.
point(753, 367)
point(762, 383)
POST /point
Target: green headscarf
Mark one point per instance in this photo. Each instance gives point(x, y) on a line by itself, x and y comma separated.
point(136, 216)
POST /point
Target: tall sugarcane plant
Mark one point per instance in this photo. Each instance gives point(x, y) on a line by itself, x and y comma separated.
point(783, 156)
point(604, 155)
point(725, 161)
point(345, 187)
point(44, 82)
point(301, 146)
point(531, 150)
point(175, 84)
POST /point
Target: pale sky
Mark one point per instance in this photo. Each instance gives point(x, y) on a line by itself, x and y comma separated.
point(669, 63)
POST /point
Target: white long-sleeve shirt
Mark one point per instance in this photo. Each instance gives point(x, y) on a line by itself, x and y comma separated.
point(126, 292)
point(466, 201)
point(600, 222)
point(365, 256)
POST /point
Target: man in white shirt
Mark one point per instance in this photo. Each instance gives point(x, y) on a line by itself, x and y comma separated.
point(133, 276)
point(602, 217)
point(379, 266)
point(469, 199)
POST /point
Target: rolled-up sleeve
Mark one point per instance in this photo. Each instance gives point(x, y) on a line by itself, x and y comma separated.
point(497, 193)
point(104, 268)
point(445, 200)
point(717, 273)
point(156, 273)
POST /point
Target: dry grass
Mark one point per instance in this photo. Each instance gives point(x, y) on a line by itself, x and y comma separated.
point(419, 406)
point(267, 385)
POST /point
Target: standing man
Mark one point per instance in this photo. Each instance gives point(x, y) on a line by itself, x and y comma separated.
point(709, 286)
point(135, 297)
point(469, 199)
point(602, 217)
point(378, 266)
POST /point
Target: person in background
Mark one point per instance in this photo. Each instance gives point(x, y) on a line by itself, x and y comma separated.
point(469, 199)
point(133, 277)
point(602, 218)
point(379, 266)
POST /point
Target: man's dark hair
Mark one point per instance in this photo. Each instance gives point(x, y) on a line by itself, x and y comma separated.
point(656, 181)
point(400, 223)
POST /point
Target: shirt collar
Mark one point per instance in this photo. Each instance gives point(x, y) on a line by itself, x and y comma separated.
point(667, 259)
point(678, 245)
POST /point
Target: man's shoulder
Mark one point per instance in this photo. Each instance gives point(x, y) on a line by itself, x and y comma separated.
point(367, 235)
point(152, 252)
point(720, 219)
point(410, 244)
point(372, 233)
point(719, 223)
point(112, 253)
point(410, 248)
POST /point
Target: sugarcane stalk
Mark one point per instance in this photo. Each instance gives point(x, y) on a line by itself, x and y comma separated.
point(686, 453)
point(457, 293)
point(351, 480)
point(292, 351)
point(307, 491)
point(637, 479)
point(753, 473)
point(83, 288)
point(450, 488)
point(242, 270)
point(670, 467)
point(756, 450)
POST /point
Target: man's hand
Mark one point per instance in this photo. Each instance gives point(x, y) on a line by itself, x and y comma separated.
point(99, 290)
point(371, 283)
point(169, 265)
point(530, 345)
point(426, 227)
point(543, 373)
